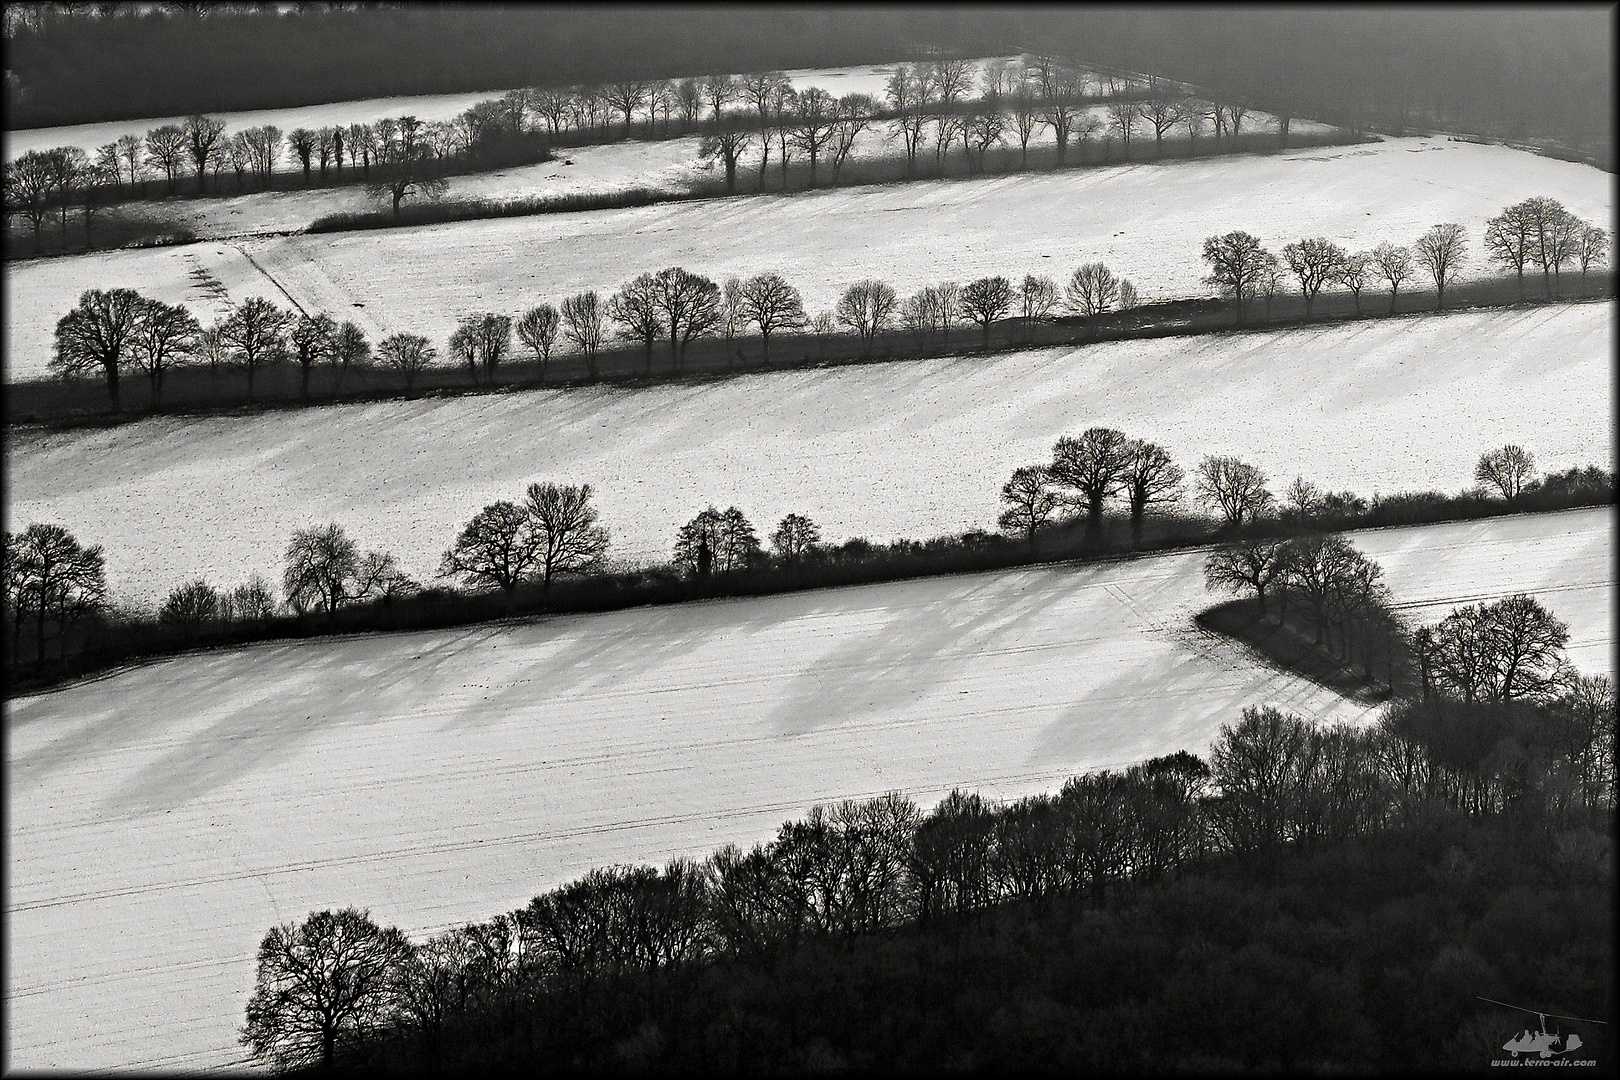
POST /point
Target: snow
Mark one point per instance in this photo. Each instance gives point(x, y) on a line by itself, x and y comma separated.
point(1147, 221)
point(160, 820)
point(913, 448)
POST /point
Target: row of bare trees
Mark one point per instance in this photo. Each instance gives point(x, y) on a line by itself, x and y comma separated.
point(331, 986)
point(1538, 231)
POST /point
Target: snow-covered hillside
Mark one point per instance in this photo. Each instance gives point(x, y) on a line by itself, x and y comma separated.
point(915, 449)
point(160, 820)
point(1148, 222)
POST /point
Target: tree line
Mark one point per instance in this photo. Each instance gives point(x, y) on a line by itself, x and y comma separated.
point(1480, 70)
point(337, 989)
point(57, 601)
point(394, 157)
point(113, 330)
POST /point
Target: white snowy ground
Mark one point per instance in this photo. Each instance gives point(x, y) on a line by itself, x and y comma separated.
point(160, 820)
point(426, 107)
point(1146, 221)
point(914, 448)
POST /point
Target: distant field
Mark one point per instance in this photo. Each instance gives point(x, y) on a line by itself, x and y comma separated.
point(913, 448)
point(1147, 221)
point(162, 819)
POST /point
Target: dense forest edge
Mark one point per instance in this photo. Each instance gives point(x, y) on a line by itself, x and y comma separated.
point(1479, 71)
point(1401, 897)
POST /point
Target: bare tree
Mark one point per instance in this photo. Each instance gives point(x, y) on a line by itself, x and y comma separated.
point(404, 165)
point(350, 349)
point(1150, 477)
point(162, 334)
point(771, 304)
point(854, 113)
point(1593, 249)
point(1037, 296)
point(1163, 109)
point(1092, 290)
point(255, 334)
point(263, 144)
point(129, 148)
point(690, 306)
point(1127, 295)
point(323, 984)
point(1508, 469)
point(795, 537)
point(408, 354)
point(1315, 262)
point(463, 345)
point(28, 188)
point(494, 336)
point(1394, 264)
point(188, 607)
point(1247, 564)
point(815, 126)
point(635, 308)
point(1511, 236)
point(718, 90)
point(68, 165)
point(538, 330)
point(1237, 489)
point(1235, 262)
point(496, 549)
point(722, 542)
point(1031, 501)
point(727, 142)
point(690, 95)
point(322, 568)
point(1061, 107)
point(907, 95)
point(311, 338)
point(582, 324)
point(166, 150)
point(1354, 273)
point(565, 522)
point(302, 141)
point(1442, 251)
point(627, 96)
point(99, 332)
point(1094, 465)
point(866, 307)
point(50, 576)
point(986, 300)
point(1509, 650)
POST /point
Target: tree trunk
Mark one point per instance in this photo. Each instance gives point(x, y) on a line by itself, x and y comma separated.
point(112, 385)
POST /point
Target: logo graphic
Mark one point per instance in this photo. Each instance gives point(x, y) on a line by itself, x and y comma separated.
point(1538, 1044)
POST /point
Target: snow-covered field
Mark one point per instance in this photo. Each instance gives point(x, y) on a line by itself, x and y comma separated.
point(911, 448)
point(1146, 221)
point(863, 79)
point(162, 819)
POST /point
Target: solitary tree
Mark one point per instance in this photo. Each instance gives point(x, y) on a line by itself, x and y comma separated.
point(322, 567)
point(795, 537)
point(986, 300)
point(1031, 501)
point(1094, 465)
point(1354, 272)
point(1593, 249)
point(565, 526)
point(1442, 251)
point(635, 308)
point(323, 984)
point(1236, 488)
point(493, 333)
point(100, 332)
point(1507, 469)
point(1510, 238)
point(1235, 262)
point(408, 354)
point(771, 304)
point(1315, 262)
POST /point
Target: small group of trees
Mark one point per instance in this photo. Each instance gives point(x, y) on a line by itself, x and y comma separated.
point(1539, 232)
point(1242, 268)
point(1085, 474)
point(111, 331)
point(554, 531)
point(724, 542)
point(52, 583)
